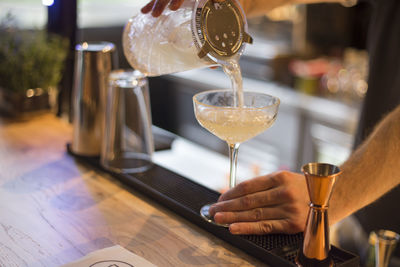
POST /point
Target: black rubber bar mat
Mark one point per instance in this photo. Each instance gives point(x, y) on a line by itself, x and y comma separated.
point(185, 197)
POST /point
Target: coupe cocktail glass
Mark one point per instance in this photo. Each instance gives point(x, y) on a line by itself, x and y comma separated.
point(218, 112)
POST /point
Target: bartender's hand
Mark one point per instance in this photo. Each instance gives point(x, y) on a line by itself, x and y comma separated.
point(157, 6)
point(274, 203)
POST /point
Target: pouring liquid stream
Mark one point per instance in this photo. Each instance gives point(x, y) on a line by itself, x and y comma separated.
point(238, 124)
point(231, 68)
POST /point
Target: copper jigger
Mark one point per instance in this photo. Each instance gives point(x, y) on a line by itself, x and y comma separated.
point(320, 178)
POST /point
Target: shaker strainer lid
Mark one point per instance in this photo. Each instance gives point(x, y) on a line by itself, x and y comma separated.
point(220, 28)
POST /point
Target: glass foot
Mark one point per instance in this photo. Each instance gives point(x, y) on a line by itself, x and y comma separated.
point(206, 215)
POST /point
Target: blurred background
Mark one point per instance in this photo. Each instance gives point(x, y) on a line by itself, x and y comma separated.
point(313, 57)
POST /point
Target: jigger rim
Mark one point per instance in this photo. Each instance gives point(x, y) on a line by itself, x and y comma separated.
point(386, 236)
point(334, 170)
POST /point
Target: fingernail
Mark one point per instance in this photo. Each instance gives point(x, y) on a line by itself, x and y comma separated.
point(212, 210)
point(173, 7)
point(144, 10)
point(155, 13)
point(234, 229)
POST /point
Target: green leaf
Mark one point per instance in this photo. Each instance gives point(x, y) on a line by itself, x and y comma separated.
point(30, 59)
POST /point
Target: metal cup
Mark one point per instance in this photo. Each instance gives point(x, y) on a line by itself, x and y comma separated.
point(128, 145)
point(385, 243)
point(320, 178)
point(93, 63)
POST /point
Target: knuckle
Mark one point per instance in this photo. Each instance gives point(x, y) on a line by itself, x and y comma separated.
point(287, 194)
point(246, 202)
point(284, 177)
point(257, 214)
point(279, 178)
point(265, 228)
point(242, 187)
point(274, 178)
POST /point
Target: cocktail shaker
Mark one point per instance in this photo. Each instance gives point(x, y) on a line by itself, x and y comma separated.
point(201, 33)
point(93, 63)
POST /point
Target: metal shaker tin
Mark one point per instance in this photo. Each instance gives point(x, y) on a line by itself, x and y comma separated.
point(93, 63)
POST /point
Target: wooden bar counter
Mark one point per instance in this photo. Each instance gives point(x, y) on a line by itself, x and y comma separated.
point(54, 210)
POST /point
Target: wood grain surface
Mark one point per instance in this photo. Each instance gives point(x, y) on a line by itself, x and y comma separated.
point(54, 210)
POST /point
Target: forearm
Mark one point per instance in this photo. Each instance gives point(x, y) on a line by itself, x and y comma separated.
point(255, 8)
point(371, 171)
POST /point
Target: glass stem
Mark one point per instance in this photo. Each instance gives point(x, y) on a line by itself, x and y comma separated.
point(233, 153)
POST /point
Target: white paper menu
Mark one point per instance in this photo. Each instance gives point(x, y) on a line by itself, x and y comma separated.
point(115, 256)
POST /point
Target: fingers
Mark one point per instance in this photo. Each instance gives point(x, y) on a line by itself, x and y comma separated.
point(254, 215)
point(260, 199)
point(147, 8)
point(250, 186)
point(273, 203)
point(159, 7)
point(175, 4)
point(262, 228)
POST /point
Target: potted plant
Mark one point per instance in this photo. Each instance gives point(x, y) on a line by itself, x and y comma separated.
point(31, 65)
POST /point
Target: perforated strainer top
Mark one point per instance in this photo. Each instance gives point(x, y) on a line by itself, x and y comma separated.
point(219, 28)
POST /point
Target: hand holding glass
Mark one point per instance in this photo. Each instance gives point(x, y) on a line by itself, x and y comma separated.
point(218, 112)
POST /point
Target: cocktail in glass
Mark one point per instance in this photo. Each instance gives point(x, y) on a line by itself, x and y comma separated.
point(218, 112)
